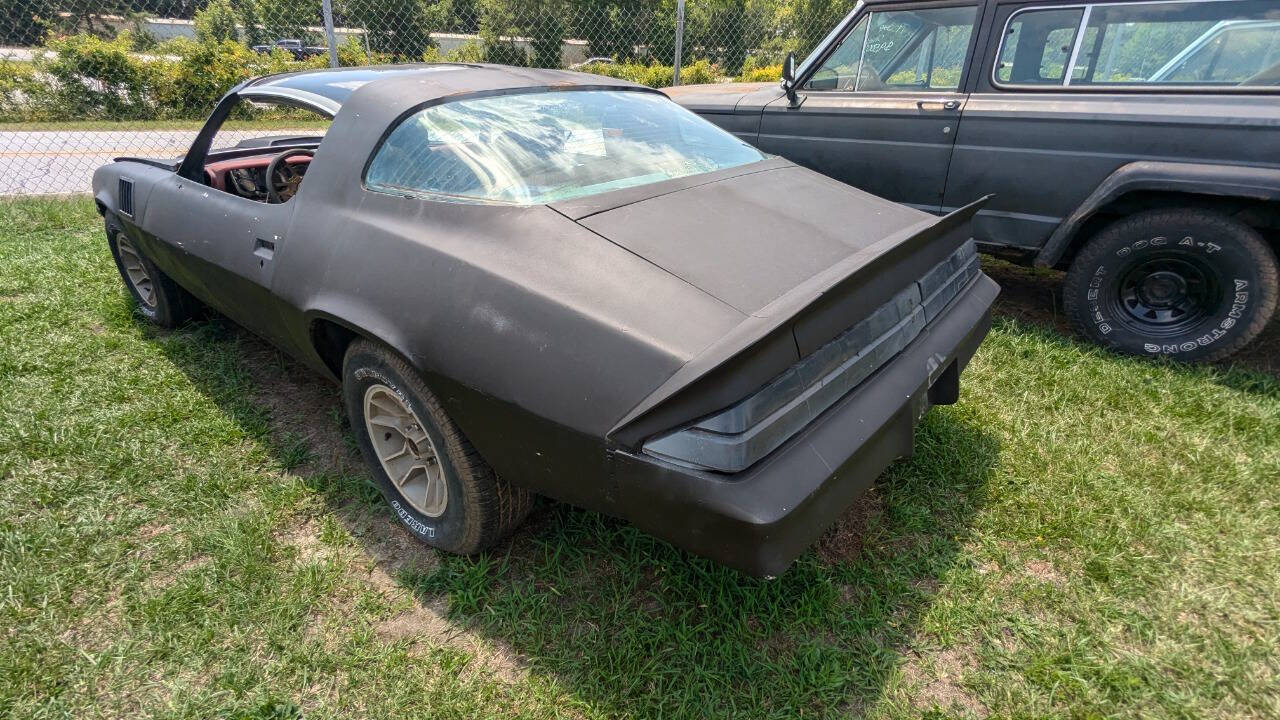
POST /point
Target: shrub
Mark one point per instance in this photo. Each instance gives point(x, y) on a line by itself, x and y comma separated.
point(18, 86)
point(95, 79)
point(751, 72)
point(470, 52)
point(204, 73)
point(352, 52)
point(656, 76)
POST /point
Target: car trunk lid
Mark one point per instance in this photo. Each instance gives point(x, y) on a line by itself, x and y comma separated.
point(739, 241)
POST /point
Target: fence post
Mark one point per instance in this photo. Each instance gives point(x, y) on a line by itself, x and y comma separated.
point(331, 39)
point(675, 80)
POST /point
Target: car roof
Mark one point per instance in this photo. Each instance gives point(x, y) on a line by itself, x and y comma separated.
point(422, 82)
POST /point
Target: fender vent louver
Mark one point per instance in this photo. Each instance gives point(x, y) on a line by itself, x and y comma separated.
point(125, 197)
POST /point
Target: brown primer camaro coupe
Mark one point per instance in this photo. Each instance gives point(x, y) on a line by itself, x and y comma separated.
point(536, 281)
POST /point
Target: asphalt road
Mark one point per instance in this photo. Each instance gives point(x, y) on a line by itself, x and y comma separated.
point(41, 162)
point(63, 161)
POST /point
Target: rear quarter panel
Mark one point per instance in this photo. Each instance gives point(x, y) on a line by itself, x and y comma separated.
point(535, 333)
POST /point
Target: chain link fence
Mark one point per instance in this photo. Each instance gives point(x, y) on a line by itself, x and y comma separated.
point(83, 81)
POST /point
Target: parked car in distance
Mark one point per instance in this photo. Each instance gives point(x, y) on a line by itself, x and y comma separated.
point(1135, 145)
point(541, 281)
point(293, 46)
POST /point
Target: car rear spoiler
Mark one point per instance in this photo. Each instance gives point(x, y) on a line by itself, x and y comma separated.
point(794, 325)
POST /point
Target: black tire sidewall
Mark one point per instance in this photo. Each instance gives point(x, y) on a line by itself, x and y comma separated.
point(448, 531)
point(164, 314)
point(1214, 242)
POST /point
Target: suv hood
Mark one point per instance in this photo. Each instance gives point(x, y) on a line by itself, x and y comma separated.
point(725, 98)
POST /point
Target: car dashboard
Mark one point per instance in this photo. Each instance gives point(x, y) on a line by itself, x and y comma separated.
point(247, 176)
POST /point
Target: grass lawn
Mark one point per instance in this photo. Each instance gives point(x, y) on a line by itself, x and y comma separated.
point(186, 531)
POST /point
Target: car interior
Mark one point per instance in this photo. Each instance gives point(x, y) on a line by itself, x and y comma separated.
point(264, 168)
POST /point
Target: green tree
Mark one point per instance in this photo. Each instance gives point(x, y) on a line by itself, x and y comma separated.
point(401, 28)
point(25, 22)
point(250, 22)
point(290, 19)
point(216, 22)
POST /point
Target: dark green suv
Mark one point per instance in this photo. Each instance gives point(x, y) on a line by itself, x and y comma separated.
point(1134, 144)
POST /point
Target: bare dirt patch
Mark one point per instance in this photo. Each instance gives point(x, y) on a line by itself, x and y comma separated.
point(843, 542)
point(937, 681)
point(165, 578)
point(153, 529)
point(1044, 572)
point(304, 541)
point(303, 406)
point(1030, 295)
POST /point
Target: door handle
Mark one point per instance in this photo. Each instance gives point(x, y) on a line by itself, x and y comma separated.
point(264, 249)
point(937, 105)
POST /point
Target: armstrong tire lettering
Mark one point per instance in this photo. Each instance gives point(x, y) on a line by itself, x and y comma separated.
point(1188, 284)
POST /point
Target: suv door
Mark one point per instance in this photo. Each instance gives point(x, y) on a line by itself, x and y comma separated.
point(880, 110)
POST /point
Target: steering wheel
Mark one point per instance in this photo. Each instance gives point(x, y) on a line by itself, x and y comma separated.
point(283, 179)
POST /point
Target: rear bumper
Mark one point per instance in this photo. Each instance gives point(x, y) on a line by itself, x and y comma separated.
point(762, 518)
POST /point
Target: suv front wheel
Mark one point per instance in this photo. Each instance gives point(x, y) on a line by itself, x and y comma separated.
point(1187, 284)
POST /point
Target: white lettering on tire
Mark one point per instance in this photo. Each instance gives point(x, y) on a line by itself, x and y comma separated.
point(1239, 304)
point(413, 523)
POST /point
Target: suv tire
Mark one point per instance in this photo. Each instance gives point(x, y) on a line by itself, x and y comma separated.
point(158, 298)
point(439, 486)
point(1188, 284)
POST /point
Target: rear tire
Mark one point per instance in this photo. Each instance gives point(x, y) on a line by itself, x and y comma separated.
point(1188, 284)
point(442, 490)
point(158, 298)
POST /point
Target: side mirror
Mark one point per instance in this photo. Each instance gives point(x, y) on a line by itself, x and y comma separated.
point(789, 79)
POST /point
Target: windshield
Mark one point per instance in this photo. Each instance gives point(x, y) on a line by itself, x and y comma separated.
point(542, 147)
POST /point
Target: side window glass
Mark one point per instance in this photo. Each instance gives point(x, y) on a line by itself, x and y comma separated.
point(901, 50)
point(259, 123)
point(256, 132)
point(840, 71)
point(1226, 43)
point(1037, 45)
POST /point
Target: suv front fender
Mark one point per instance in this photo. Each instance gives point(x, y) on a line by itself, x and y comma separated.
point(1202, 179)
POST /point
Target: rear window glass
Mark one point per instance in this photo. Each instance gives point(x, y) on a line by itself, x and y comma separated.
point(542, 147)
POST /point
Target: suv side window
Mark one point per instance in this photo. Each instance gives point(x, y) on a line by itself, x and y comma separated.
point(1037, 44)
point(920, 50)
point(1226, 43)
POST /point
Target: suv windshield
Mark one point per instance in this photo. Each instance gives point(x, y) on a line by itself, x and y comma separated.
point(542, 147)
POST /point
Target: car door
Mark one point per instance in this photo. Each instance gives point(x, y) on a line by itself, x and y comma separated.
point(880, 109)
point(222, 246)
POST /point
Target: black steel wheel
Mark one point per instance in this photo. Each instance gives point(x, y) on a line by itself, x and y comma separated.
point(1188, 284)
